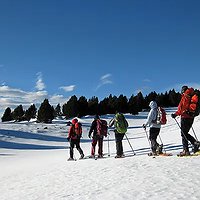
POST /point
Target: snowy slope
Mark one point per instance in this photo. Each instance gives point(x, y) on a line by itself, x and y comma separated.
point(33, 164)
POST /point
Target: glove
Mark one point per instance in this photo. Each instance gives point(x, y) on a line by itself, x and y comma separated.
point(173, 115)
point(68, 138)
point(144, 126)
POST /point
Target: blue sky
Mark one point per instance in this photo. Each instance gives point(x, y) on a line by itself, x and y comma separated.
point(55, 49)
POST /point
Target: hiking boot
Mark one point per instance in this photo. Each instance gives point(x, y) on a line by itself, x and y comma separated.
point(184, 153)
point(82, 156)
point(153, 154)
point(100, 156)
point(196, 146)
point(70, 159)
point(118, 156)
point(159, 149)
point(91, 156)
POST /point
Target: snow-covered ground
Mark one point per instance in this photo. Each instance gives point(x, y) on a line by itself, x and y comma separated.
point(33, 164)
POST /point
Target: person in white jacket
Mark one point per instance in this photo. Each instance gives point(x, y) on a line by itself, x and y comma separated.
point(154, 128)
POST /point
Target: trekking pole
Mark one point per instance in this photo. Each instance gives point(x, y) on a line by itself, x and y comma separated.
point(108, 145)
point(194, 134)
point(148, 140)
point(130, 144)
point(162, 143)
point(182, 132)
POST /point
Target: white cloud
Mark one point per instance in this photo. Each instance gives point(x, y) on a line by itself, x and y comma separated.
point(105, 79)
point(68, 88)
point(147, 80)
point(58, 99)
point(39, 83)
point(12, 97)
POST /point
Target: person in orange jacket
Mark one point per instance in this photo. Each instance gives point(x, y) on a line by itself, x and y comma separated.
point(74, 139)
point(187, 120)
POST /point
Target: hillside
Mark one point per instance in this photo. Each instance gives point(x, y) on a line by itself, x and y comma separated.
point(34, 164)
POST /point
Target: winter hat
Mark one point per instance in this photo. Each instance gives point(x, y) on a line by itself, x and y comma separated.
point(74, 121)
point(153, 105)
point(96, 117)
point(183, 89)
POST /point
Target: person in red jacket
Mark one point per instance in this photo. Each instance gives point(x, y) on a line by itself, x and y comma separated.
point(74, 139)
point(186, 121)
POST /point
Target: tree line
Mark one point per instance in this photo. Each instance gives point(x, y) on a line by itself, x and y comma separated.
point(79, 107)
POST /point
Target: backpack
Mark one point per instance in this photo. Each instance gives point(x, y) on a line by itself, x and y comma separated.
point(121, 123)
point(102, 127)
point(161, 116)
point(194, 103)
point(78, 129)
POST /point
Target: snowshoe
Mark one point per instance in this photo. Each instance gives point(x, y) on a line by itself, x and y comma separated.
point(82, 157)
point(119, 156)
point(70, 159)
point(152, 154)
point(184, 153)
point(195, 147)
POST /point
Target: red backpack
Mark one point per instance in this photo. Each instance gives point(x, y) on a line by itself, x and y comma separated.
point(78, 128)
point(162, 116)
point(102, 127)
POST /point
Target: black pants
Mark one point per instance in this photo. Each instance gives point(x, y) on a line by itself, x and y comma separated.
point(119, 147)
point(186, 124)
point(153, 134)
point(74, 142)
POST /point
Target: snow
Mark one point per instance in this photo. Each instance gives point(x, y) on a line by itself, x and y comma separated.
point(34, 164)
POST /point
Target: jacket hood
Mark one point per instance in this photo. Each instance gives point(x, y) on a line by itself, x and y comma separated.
point(153, 105)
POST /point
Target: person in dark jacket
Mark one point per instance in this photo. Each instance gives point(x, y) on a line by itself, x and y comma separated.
point(74, 139)
point(96, 138)
point(186, 121)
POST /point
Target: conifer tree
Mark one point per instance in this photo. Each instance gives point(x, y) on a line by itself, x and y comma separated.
point(82, 106)
point(45, 112)
point(18, 113)
point(58, 111)
point(122, 104)
point(31, 112)
point(7, 116)
point(93, 106)
point(70, 109)
point(133, 106)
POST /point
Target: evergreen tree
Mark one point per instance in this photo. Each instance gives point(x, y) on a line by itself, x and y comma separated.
point(31, 112)
point(58, 111)
point(7, 116)
point(112, 104)
point(140, 101)
point(45, 112)
point(18, 113)
point(122, 104)
point(103, 107)
point(133, 106)
point(82, 106)
point(93, 106)
point(70, 109)
point(174, 98)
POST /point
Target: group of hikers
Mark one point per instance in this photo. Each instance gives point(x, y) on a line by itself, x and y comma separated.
point(98, 129)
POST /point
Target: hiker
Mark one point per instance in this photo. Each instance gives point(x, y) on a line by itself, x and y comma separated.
point(154, 128)
point(74, 136)
point(97, 136)
point(120, 128)
point(186, 121)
